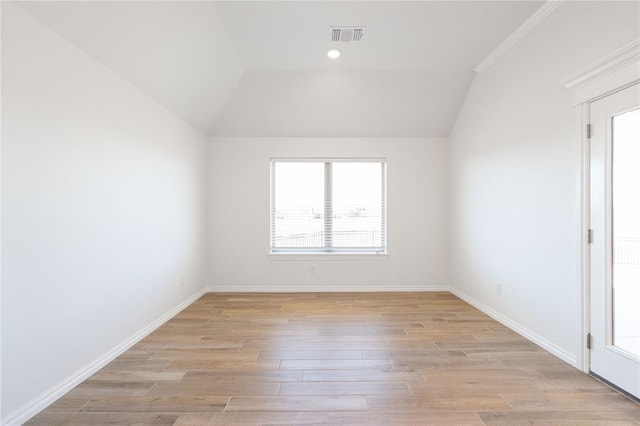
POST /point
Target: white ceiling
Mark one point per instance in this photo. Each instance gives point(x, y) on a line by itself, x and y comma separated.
point(353, 103)
point(178, 53)
point(260, 68)
point(429, 35)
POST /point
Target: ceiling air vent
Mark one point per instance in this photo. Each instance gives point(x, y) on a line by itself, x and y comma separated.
point(346, 34)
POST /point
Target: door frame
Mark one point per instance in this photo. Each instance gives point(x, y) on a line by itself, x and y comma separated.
point(614, 72)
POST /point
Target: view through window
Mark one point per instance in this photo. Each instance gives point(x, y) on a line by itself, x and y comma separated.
point(328, 206)
point(626, 231)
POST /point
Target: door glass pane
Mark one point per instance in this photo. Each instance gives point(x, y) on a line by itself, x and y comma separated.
point(626, 231)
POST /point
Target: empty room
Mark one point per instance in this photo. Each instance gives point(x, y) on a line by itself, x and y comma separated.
point(320, 213)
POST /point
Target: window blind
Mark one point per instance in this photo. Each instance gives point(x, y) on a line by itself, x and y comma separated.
point(328, 205)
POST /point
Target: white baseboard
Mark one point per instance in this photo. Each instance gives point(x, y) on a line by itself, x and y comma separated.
point(523, 331)
point(57, 391)
point(319, 288)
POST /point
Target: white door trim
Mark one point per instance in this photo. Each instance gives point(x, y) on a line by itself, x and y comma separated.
point(616, 71)
point(608, 74)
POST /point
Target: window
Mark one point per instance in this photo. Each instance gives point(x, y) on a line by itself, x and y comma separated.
point(328, 205)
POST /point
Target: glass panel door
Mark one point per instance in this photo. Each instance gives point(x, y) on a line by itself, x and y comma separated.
point(625, 141)
point(615, 249)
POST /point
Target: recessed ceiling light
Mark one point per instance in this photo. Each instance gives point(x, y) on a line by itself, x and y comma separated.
point(333, 53)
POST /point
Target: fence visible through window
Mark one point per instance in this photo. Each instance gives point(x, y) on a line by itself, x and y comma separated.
point(343, 239)
point(328, 205)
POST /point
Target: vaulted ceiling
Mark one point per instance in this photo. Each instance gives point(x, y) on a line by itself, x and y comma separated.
point(260, 68)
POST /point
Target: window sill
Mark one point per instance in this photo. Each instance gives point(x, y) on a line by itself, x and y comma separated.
point(292, 256)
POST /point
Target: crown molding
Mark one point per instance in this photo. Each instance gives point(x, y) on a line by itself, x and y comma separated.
point(524, 29)
point(627, 54)
point(614, 71)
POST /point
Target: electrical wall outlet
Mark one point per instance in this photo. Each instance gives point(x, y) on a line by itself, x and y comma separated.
point(499, 288)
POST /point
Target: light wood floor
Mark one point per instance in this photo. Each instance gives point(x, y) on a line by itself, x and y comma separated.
point(343, 359)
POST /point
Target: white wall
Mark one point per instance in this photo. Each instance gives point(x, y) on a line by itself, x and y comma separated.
point(515, 174)
point(103, 211)
point(239, 217)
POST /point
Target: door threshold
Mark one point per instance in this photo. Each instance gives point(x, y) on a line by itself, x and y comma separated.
point(615, 388)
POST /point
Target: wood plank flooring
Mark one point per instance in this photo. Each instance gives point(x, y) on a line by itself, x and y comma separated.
point(337, 359)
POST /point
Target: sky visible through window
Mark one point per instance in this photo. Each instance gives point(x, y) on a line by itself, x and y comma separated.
point(626, 230)
point(626, 173)
point(299, 199)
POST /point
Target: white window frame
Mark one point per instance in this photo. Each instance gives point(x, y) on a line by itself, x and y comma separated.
point(327, 250)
